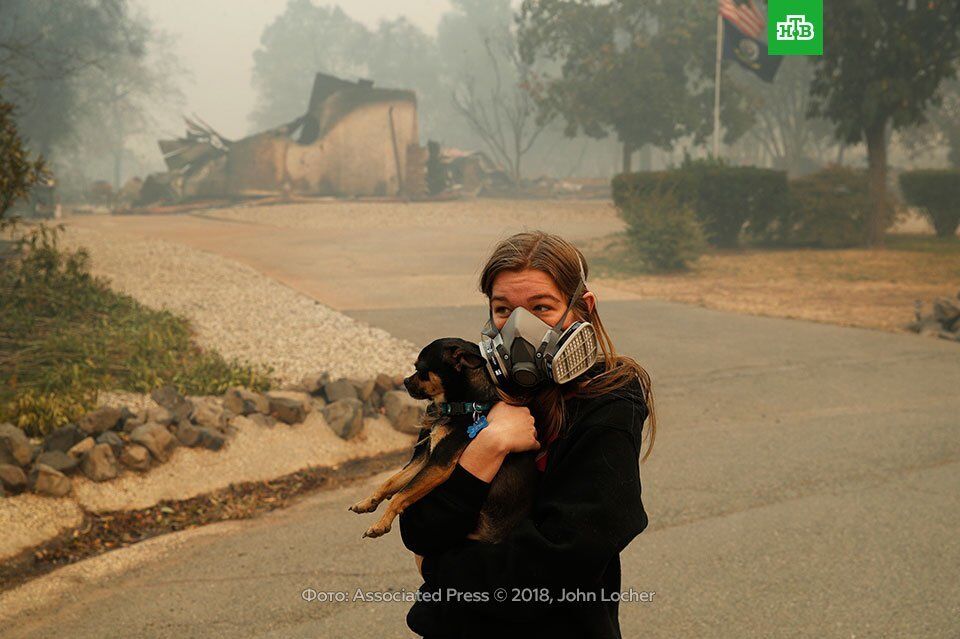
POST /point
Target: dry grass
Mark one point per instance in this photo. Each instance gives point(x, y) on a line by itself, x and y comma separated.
point(853, 287)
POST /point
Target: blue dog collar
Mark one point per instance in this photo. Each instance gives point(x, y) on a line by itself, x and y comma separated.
point(462, 408)
point(477, 426)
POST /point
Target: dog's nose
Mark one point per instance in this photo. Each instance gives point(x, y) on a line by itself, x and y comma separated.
point(408, 384)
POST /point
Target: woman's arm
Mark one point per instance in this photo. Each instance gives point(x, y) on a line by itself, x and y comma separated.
point(449, 513)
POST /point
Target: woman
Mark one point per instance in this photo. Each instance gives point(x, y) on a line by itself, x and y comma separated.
point(588, 505)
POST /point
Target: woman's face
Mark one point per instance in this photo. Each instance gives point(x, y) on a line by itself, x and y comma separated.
point(535, 291)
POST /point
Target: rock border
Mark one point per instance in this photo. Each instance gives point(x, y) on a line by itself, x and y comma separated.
point(943, 321)
point(111, 440)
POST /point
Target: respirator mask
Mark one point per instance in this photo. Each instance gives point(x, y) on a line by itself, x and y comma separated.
point(527, 351)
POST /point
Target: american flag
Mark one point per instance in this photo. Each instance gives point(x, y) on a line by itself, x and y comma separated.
point(747, 16)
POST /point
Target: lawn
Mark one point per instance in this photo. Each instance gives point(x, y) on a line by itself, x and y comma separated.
point(850, 287)
point(65, 336)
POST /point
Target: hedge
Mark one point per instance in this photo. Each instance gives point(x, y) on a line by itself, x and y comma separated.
point(937, 194)
point(828, 209)
point(665, 234)
point(724, 198)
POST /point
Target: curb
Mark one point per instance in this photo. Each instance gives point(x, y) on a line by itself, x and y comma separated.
point(101, 532)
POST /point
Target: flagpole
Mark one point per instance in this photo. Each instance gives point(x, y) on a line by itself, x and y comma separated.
point(716, 90)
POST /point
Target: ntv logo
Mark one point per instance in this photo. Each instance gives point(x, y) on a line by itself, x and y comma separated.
point(795, 27)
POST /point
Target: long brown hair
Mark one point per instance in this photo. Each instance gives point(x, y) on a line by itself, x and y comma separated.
point(561, 260)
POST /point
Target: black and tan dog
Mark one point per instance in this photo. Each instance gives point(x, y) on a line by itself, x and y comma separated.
point(451, 372)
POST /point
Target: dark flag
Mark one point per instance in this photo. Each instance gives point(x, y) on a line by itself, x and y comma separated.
point(745, 37)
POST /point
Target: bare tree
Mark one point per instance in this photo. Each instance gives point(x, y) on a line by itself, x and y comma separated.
point(782, 128)
point(503, 114)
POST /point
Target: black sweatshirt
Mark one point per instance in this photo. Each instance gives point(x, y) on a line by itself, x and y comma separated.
point(587, 509)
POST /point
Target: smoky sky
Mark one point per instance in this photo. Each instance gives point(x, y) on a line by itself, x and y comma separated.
point(215, 41)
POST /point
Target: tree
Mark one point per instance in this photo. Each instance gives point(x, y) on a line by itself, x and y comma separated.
point(642, 69)
point(121, 95)
point(301, 41)
point(18, 173)
point(84, 75)
point(942, 127)
point(794, 141)
point(400, 55)
point(883, 66)
point(488, 80)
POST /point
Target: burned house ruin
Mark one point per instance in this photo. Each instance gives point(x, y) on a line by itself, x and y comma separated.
point(354, 140)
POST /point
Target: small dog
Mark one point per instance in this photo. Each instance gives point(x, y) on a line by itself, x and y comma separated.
point(453, 370)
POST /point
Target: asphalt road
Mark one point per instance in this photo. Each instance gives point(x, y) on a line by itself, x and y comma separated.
point(804, 483)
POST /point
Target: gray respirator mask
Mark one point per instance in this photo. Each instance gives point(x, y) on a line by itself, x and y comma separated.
point(528, 352)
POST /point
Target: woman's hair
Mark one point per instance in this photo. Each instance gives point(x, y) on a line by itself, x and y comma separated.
point(561, 260)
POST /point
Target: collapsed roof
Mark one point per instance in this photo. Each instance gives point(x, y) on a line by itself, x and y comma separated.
point(354, 139)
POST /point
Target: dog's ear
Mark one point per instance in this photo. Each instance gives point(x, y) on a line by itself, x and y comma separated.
point(461, 358)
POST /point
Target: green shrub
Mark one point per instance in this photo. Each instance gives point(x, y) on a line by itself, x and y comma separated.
point(665, 233)
point(937, 194)
point(18, 173)
point(828, 209)
point(724, 198)
point(65, 334)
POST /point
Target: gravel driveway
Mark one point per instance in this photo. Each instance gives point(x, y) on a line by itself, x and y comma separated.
point(240, 312)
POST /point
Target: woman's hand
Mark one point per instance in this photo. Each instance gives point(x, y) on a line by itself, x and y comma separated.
point(510, 430)
point(512, 427)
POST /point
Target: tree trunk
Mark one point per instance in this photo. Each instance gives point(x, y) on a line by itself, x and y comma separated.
point(518, 153)
point(877, 161)
point(627, 157)
point(117, 168)
point(646, 158)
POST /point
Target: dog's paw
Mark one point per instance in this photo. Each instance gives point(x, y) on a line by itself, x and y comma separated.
point(366, 506)
point(377, 530)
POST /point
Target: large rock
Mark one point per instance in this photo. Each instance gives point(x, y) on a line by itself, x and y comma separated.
point(58, 460)
point(383, 383)
point(264, 421)
point(946, 311)
point(339, 389)
point(15, 444)
point(155, 414)
point(47, 481)
point(125, 415)
point(211, 439)
point(187, 434)
point(103, 419)
point(135, 457)
point(345, 417)
point(243, 401)
point(82, 447)
point(209, 413)
point(314, 383)
point(133, 424)
point(177, 404)
point(289, 407)
point(925, 325)
point(113, 440)
point(100, 464)
point(12, 478)
point(155, 438)
point(367, 391)
point(404, 412)
point(63, 438)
